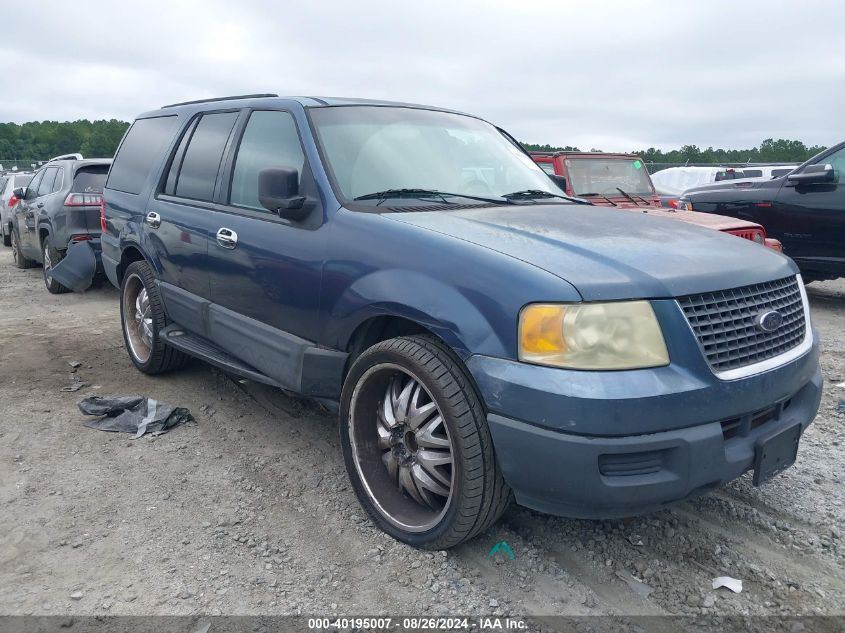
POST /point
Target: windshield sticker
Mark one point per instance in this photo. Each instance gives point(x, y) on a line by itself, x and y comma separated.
point(637, 164)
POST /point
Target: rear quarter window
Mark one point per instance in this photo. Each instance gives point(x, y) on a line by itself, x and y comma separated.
point(139, 152)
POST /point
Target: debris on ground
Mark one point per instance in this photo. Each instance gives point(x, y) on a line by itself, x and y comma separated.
point(75, 385)
point(841, 406)
point(729, 583)
point(637, 586)
point(133, 414)
point(75, 364)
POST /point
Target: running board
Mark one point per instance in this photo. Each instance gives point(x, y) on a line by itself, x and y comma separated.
point(198, 347)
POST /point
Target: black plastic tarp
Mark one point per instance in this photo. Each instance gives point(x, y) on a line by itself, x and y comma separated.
point(132, 414)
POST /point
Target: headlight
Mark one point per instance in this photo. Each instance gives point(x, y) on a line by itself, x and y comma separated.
point(619, 335)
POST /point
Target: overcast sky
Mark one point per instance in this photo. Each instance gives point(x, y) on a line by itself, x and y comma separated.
point(611, 75)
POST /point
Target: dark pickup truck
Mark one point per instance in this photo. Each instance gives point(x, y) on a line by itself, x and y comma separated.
point(804, 209)
point(482, 335)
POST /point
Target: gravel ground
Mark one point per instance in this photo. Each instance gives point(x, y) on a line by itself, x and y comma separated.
point(248, 511)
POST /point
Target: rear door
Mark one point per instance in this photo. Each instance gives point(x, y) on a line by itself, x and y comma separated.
point(811, 218)
point(265, 271)
point(180, 218)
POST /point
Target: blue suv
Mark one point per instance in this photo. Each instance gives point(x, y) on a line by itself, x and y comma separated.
point(484, 336)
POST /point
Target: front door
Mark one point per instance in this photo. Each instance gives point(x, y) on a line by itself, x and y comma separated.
point(811, 219)
point(265, 271)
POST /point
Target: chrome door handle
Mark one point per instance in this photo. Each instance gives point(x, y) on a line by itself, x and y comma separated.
point(153, 219)
point(227, 238)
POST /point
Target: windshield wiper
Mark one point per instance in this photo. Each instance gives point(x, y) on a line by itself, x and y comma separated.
point(598, 195)
point(533, 194)
point(632, 198)
point(422, 194)
point(381, 196)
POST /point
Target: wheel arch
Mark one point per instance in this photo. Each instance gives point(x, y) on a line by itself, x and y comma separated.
point(129, 254)
point(410, 302)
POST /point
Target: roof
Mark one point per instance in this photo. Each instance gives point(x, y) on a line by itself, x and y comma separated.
point(265, 99)
point(574, 154)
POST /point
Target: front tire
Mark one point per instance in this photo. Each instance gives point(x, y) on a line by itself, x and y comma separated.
point(416, 444)
point(51, 258)
point(142, 319)
point(21, 261)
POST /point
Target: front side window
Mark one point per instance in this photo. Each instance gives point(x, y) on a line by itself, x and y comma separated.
point(270, 140)
point(375, 148)
point(549, 168)
point(139, 152)
point(198, 173)
point(606, 176)
point(837, 161)
point(35, 183)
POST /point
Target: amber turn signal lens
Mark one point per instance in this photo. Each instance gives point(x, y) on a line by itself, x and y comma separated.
point(541, 329)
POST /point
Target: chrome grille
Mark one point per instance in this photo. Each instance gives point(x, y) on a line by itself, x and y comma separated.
point(725, 325)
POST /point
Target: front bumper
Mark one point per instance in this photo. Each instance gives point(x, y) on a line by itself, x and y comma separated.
point(615, 444)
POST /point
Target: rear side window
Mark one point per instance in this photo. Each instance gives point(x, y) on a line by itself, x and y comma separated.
point(59, 181)
point(780, 172)
point(198, 173)
point(139, 152)
point(46, 185)
point(270, 140)
point(752, 173)
point(22, 181)
point(90, 179)
point(549, 168)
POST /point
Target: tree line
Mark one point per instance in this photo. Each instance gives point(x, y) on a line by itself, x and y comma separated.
point(769, 151)
point(40, 140)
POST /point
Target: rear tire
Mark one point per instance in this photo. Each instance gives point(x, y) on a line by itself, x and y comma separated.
point(7, 236)
point(416, 444)
point(142, 319)
point(51, 258)
point(21, 261)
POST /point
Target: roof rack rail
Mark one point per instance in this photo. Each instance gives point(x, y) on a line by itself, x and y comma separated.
point(74, 156)
point(255, 96)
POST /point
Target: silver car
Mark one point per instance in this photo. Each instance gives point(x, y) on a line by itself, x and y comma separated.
point(8, 183)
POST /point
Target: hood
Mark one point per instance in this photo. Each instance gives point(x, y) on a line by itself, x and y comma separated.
point(707, 220)
point(611, 254)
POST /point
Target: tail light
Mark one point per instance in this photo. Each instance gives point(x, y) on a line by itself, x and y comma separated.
point(83, 199)
point(13, 201)
point(80, 238)
point(102, 214)
point(673, 203)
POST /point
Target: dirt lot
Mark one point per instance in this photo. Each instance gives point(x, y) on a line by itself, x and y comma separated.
point(248, 511)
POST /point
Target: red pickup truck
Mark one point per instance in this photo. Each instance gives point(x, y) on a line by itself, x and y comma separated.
point(622, 181)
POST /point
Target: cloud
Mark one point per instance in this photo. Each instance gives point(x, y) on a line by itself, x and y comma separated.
point(612, 75)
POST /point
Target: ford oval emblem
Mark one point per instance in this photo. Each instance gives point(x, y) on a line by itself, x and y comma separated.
point(769, 321)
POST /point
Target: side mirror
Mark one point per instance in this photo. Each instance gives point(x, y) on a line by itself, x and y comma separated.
point(20, 193)
point(278, 191)
point(813, 174)
point(560, 181)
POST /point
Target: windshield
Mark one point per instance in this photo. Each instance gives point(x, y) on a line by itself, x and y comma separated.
point(373, 149)
point(605, 176)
